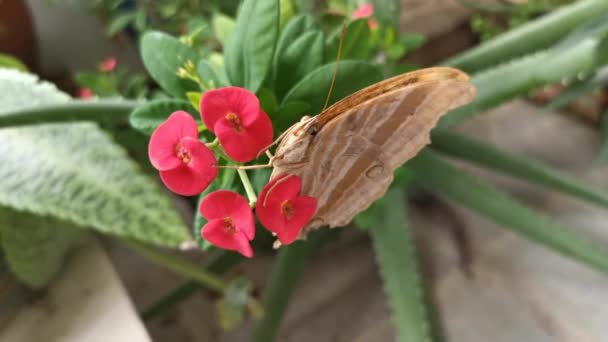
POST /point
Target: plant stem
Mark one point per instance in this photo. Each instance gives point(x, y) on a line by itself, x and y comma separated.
point(217, 263)
point(99, 111)
point(179, 266)
point(286, 271)
point(248, 187)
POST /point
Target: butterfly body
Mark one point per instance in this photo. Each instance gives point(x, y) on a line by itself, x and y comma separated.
point(346, 155)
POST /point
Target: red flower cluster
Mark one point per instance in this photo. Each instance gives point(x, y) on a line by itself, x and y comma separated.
point(366, 10)
point(187, 167)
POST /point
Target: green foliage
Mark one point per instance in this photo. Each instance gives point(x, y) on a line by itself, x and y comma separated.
point(461, 147)
point(34, 247)
point(10, 62)
point(530, 37)
point(396, 257)
point(313, 88)
point(250, 48)
point(148, 116)
point(579, 88)
point(603, 154)
point(573, 56)
point(163, 56)
point(209, 77)
point(357, 42)
point(74, 172)
point(440, 177)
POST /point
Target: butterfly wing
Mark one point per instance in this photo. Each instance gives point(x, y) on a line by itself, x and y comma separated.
point(352, 158)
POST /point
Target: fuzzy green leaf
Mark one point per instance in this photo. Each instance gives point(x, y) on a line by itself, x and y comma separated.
point(461, 147)
point(396, 257)
point(439, 176)
point(163, 55)
point(34, 247)
point(250, 48)
point(148, 116)
point(74, 172)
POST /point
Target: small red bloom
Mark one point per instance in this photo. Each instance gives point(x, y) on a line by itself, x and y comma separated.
point(235, 116)
point(186, 165)
point(85, 93)
point(107, 64)
point(230, 221)
point(281, 210)
point(366, 10)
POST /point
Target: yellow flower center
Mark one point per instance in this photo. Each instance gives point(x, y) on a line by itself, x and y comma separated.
point(234, 121)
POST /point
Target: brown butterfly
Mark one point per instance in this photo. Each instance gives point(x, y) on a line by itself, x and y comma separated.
point(346, 155)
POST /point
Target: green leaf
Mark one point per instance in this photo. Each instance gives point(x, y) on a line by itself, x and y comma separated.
point(439, 176)
point(224, 181)
point(300, 58)
point(163, 55)
point(386, 12)
point(578, 89)
point(312, 89)
point(268, 101)
point(35, 247)
point(534, 36)
point(461, 147)
point(209, 76)
point(396, 257)
point(295, 28)
point(223, 26)
point(522, 75)
point(74, 172)
point(288, 10)
point(120, 22)
point(10, 62)
point(250, 47)
point(356, 45)
point(148, 116)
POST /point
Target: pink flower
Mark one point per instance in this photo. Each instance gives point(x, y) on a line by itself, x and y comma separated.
point(235, 116)
point(281, 209)
point(230, 221)
point(107, 64)
point(366, 10)
point(85, 93)
point(186, 165)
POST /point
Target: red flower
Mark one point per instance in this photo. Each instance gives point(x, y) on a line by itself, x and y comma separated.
point(366, 10)
point(85, 93)
point(107, 64)
point(186, 165)
point(235, 116)
point(281, 210)
point(230, 221)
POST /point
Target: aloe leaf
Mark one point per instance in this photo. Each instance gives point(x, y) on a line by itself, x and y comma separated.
point(567, 59)
point(439, 176)
point(578, 89)
point(533, 36)
point(461, 147)
point(396, 257)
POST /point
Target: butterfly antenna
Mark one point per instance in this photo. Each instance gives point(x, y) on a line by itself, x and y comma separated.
point(333, 77)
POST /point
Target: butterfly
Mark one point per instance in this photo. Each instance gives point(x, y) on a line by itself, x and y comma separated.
point(346, 155)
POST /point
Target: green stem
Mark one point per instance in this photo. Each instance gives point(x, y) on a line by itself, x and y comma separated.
point(286, 271)
point(248, 187)
point(179, 266)
point(217, 263)
point(102, 110)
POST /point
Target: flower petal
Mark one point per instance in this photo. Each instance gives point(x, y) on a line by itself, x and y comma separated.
point(214, 232)
point(304, 208)
point(270, 217)
point(215, 104)
point(366, 10)
point(194, 177)
point(161, 148)
point(244, 146)
point(224, 203)
point(284, 189)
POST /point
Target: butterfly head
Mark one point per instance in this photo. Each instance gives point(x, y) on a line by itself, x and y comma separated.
point(294, 145)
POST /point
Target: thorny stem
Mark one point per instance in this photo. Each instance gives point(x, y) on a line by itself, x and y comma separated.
point(248, 187)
